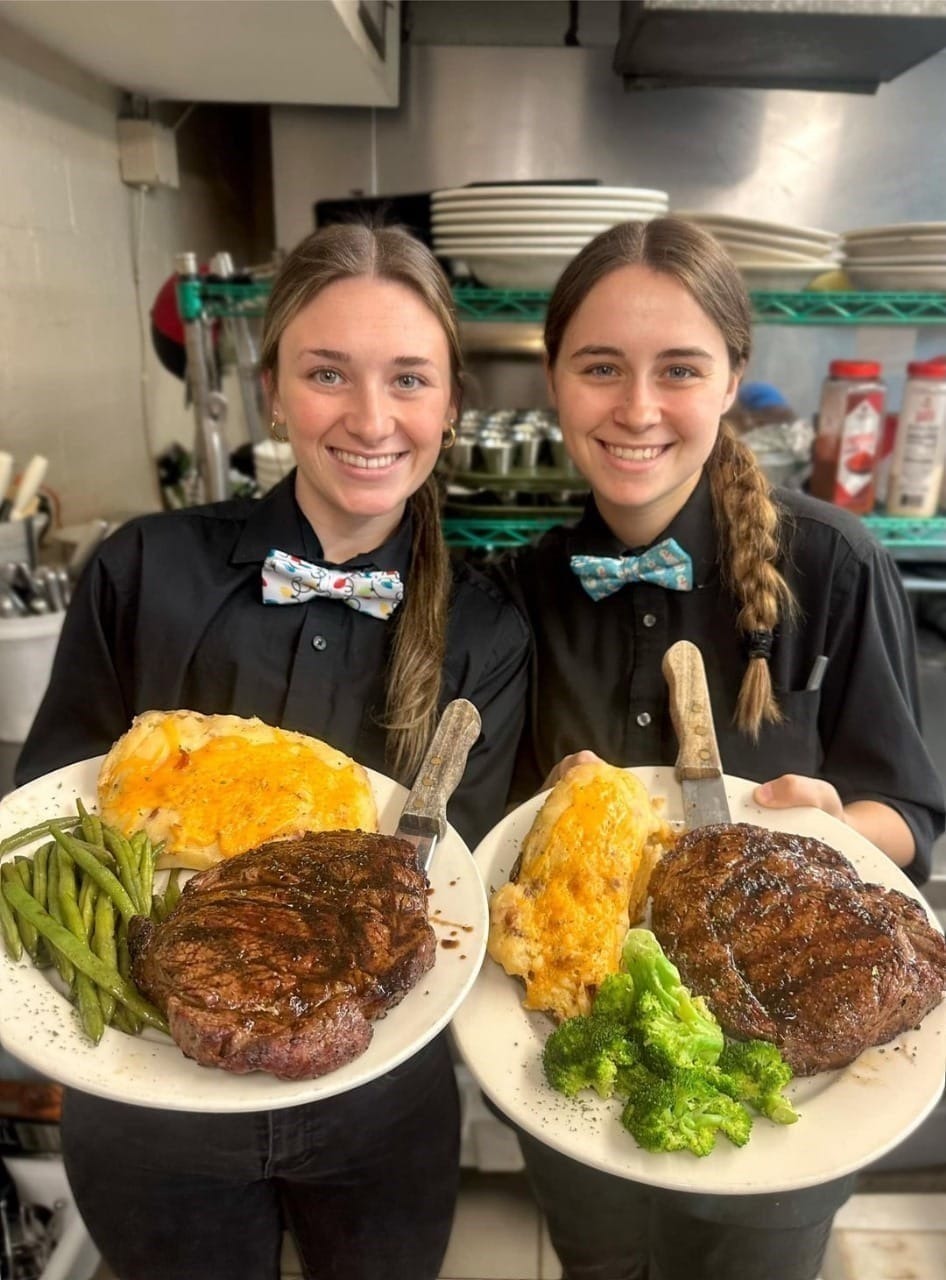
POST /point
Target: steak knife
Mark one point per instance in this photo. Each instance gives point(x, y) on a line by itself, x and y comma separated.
point(423, 819)
point(699, 769)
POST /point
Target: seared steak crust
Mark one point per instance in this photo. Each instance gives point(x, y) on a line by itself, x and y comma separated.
point(788, 944)
point(278, 959)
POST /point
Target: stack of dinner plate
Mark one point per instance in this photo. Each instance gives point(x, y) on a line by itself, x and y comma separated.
point(772, 255)
point(908, 256)
point(521, 236)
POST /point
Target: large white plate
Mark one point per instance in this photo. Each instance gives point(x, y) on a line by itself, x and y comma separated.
point(515, 219)
point(515, 268)
point(814, 246)
point(563, 190)
point(897, 246)
point(848, 1118)
point(40, 1027)
point(744, 251)
point(898, 274)
point(515, 244)
point(737, 225)
point(897, 229)
point(544, 205)
point(523, 233)
point(782, 276)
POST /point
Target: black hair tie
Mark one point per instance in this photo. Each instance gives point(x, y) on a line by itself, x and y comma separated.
point(760, 644)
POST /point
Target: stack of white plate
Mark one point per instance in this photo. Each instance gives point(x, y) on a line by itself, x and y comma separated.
point(272, 459)
point(909, 256)
point(522, 236)
point(772, 255)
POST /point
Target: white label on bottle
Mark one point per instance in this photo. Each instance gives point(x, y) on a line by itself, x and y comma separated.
point(917, 468)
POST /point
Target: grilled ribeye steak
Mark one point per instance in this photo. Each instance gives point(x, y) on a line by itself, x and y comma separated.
point(278, 959)
point(788, 944)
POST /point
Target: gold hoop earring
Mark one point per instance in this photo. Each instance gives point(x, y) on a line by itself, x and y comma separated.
point(274, 432)
point(450, 435)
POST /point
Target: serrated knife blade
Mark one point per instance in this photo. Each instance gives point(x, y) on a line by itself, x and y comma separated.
point(699, 769)
point(423, 820)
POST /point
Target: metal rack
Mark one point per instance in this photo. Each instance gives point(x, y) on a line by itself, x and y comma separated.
point(510, 319)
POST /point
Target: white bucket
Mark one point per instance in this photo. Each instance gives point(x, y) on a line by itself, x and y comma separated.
point(27, 647)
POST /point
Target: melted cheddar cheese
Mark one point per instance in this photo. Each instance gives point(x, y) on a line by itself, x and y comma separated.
point(582, 880)
point(214, 786)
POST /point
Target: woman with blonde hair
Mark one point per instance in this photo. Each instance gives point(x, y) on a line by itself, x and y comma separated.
point(361, 358)
point(806, 635)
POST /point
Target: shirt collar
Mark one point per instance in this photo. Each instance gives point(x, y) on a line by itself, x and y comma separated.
point(693, 527)
point(277, 520)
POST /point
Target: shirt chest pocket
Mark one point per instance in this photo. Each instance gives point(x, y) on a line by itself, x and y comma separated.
point(794, 746)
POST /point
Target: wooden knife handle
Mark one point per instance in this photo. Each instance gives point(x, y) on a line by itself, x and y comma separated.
point(444, 762)
point(691, 712)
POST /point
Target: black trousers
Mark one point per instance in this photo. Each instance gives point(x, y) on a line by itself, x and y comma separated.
point(366, 1182)
point(607, 1228)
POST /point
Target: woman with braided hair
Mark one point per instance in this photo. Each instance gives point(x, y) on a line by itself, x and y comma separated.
point(806, 635)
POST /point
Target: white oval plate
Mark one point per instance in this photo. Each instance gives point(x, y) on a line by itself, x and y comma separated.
point(780, 276)
point(522, 231)
point(515, 268)
point(898, 274)
point(897, 230)
point(737, 225)
point(848, 1117)
point(811, 246)
point(897, 247)
point(515, 218)
point(513, 244)
point(562, 191)
point(742, 251)
point(546, 207)
point(40, 1027)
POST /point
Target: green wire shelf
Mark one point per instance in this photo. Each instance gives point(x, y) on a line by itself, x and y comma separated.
point(908, 539)
point(905, 539)
point(214, 300)
point(848, 308)
point(500, 304)
point(495, 535)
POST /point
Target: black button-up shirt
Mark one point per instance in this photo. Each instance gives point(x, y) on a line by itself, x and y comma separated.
point(169, 615)
point(597, 682)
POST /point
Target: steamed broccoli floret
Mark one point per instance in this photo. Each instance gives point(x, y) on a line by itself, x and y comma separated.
point(663, 999)
point(615, 998)
point(754, 1071)
point(683, 1112)
point(631, 1076)
point(585, 1053)
point(669, 1043)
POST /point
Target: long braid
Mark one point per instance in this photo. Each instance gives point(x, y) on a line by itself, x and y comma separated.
point(748, 523)
point(420, 641)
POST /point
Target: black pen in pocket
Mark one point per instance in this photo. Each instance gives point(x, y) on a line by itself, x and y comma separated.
point(817, 673)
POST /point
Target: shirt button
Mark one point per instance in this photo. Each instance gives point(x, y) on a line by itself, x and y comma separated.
point(649, 619)
point(644, 719)
point(319, 642)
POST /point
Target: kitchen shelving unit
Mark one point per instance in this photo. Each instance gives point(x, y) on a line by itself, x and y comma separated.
point(510, 320)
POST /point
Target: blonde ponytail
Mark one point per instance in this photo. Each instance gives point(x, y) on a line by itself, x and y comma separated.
point(420, 640)
point(748, 523)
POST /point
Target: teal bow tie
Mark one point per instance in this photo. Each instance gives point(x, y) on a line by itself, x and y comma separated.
point(666, 565)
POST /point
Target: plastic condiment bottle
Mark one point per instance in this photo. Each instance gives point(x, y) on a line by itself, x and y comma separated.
point(916, 469)
point(849, 426)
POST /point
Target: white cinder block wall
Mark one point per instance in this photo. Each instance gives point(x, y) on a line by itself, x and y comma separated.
point(78, 379)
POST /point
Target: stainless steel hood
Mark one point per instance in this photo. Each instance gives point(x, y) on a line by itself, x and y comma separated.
point(848, 46)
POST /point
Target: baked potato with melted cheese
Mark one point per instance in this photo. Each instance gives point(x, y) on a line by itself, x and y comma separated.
point(581, 880)
point(213, 786)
